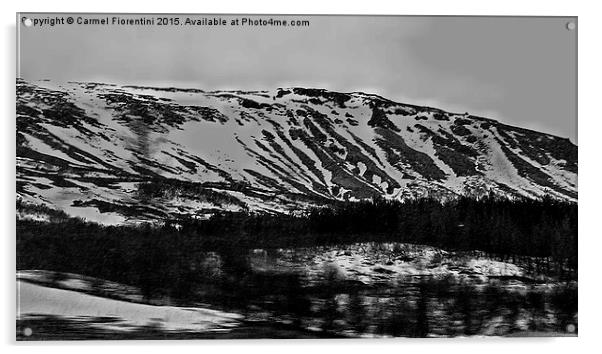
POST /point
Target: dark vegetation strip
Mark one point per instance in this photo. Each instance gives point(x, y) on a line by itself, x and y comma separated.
point(168, 256)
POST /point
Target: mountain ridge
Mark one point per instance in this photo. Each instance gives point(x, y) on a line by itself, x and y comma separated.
point(116, 153)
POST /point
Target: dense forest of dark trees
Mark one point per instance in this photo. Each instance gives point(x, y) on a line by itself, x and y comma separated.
point(501, 227)
point(545, 230)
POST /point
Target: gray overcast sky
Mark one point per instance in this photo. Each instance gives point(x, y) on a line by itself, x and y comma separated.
point(521, 71)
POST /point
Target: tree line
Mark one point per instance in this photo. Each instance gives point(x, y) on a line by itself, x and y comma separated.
point(544, 227)
point(170, 258)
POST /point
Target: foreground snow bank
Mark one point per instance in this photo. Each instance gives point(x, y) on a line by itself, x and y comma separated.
point(36, 300)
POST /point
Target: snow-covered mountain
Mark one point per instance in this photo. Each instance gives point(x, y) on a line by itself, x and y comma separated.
point(117, 153)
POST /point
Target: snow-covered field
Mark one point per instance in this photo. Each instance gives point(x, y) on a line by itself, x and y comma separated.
point(384, 262)
point(36, 300)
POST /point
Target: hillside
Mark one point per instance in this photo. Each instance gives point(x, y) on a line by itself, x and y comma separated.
point(116, 154)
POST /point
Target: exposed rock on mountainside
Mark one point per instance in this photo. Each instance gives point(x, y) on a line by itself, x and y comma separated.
point(117, 153)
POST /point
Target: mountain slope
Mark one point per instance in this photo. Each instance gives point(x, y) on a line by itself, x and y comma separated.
point(117, 153)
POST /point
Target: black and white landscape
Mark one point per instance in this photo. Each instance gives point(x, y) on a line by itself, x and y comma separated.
point(173, 212)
